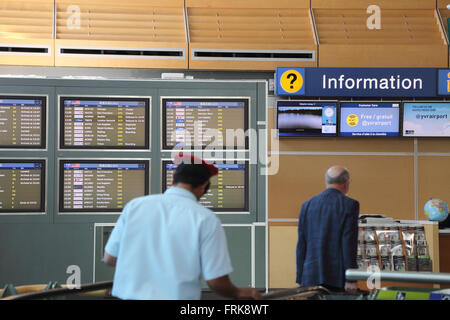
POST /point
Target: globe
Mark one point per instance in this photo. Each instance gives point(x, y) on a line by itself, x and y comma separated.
point(436, 210)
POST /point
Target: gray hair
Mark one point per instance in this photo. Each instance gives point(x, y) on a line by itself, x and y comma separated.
point(339, 179)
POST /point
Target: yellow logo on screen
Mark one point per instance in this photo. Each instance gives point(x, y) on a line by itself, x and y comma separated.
point(352, 120)
point(291, 81)
point(448, 82)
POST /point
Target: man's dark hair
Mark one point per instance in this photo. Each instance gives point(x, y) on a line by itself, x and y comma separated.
point(193, 174)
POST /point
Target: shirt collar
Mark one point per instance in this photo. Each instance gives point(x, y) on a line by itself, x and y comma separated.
point(330, 190)
point(176, 191)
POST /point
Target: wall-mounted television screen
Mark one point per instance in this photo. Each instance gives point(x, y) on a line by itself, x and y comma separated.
point(101, 185)
point(23, 122)
point(104, 123)
point(22, 186)
point(306, 118)
point(200, 123)
point(229, 190)
point(369, 119)
point(426, 119)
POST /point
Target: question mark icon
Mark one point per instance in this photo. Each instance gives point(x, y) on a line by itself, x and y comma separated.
point(294, 77)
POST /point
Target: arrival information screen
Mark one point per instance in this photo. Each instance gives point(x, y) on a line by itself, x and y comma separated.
point(22, 123)
point(218, 124)
point(228, 190)
point(104, 124)
point(21, 186)
point(101, 186)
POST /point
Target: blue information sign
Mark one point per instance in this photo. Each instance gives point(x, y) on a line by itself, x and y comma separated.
point(361, 82)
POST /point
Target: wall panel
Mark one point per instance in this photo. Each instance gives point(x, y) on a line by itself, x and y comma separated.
point(375, 179)
point(435, 145)
point(282, 265)
point(433, 178)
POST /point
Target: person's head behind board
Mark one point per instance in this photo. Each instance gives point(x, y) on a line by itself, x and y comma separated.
point(338, 177)
point(193, 174)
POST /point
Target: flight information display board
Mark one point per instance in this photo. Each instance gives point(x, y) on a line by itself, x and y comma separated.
point(426, 119)
point(228, 191)
point(23, 122)
point(101, 185)
point(306, 118)
point(104, 123)
point(370, 119)
point(22, 186)
point(219, 123)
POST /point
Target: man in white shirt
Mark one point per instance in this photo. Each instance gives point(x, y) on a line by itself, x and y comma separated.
point(163, 244)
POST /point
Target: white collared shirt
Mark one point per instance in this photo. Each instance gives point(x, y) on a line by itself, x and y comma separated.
point(164, 244)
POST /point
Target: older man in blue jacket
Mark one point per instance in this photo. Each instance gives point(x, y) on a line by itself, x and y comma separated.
point(328, 235)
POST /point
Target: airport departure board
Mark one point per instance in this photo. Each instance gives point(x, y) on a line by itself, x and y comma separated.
point(101, 185)
point(205, 123)
point(104, 123)
point(228, 191)
point(22, 122)
point(22, 186)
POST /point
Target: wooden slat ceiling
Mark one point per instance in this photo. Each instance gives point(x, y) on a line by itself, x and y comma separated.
point(250, 26)
point(122, 22)
point(26, 19)
point(397, 27)
point(383, 4)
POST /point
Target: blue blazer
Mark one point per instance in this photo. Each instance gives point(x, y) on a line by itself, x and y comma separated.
point(327, 239)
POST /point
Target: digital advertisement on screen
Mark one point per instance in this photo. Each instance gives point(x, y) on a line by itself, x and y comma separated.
point(369, 119)
point(426, 119)
point(306, 118)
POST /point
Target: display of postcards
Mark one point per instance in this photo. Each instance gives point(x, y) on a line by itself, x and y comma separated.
point(399, 263)
point(388, 234)
point(395, 236)
point(383, 236)
point(422, 251)
point(408, 234)
point(397, 249)
point(424, 264)
point(412, 263)
point(409, 250)
point(369, 235)
point(385, 250)
point(421, 243)
point(386, 264)
point(374, 261)
point(361, 234)
point(371, 249)
point(419, 234)
point(363, 264)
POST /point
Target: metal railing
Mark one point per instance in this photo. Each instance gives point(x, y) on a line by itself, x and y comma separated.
point(397, 276)
point(103, 289)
